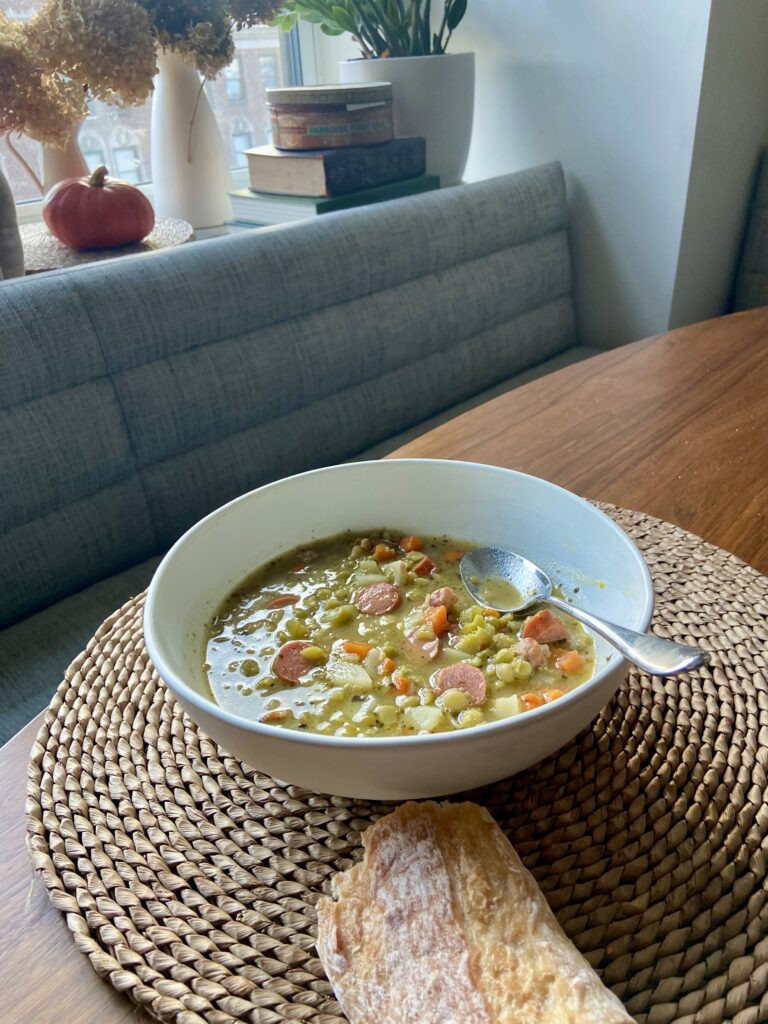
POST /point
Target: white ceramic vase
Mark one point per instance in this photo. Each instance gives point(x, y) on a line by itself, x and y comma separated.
point(433, 96)
point(190, 174)
point(67, 162)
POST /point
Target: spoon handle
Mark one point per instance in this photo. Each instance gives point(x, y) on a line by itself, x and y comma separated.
point(651, 653)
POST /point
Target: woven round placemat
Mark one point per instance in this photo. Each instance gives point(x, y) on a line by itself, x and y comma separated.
point(189, 879)
point(42, 251)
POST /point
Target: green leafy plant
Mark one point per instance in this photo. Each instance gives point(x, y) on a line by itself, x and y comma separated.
point(381, 28)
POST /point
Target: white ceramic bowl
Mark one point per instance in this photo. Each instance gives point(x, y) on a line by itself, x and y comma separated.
point(569, 538)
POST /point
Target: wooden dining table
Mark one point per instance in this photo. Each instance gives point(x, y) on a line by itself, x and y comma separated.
point(675, 426)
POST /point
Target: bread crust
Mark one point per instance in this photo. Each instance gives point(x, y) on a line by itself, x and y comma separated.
point(441, 924)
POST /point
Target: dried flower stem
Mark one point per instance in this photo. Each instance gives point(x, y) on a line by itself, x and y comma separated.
point(192, 120)
point(24, 163)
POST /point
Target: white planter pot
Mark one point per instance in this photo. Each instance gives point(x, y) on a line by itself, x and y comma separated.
point(434, 97)
point(68, 162)
point(190, 173)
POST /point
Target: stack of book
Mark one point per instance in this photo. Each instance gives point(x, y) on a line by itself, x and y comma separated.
point(290, 185)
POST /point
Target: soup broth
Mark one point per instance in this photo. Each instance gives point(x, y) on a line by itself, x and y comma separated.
point(376, 636)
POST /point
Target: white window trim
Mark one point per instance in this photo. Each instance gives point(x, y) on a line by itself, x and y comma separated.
point(307, 47)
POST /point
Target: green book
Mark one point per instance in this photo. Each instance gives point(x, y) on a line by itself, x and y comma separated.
point(249, 207)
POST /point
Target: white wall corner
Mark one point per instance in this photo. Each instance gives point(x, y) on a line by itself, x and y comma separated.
point(731, 134)
point(610, 88)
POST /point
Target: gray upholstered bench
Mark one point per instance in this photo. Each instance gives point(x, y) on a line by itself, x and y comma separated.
point(138, 394)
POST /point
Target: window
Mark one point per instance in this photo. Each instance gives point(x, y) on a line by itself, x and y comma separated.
point(125, 159)
point(93, 149)
point(126, 163)
point(236, 96)
point(233, 81)
point(269, 74)
point(240, 142)
point(242, 138)
point(256, 48)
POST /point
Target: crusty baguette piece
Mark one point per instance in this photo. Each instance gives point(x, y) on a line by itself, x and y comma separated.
point(441, 924)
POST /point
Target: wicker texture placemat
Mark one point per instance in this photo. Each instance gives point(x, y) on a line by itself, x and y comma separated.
point(42, 251)
point(190, 881)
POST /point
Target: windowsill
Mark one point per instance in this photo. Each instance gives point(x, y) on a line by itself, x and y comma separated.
point(31, 212)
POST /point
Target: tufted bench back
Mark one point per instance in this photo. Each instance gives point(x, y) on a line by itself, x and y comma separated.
point(138, 394)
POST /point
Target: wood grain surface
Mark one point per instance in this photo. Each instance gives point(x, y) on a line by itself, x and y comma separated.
point(676, 426)
point(43, 977)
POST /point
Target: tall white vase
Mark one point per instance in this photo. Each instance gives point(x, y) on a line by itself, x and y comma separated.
point(190, 172)
point(67, 162)
point(434, 97)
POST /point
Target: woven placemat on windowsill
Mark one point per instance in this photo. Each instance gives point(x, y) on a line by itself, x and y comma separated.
point(42, 251)
point(190, 880)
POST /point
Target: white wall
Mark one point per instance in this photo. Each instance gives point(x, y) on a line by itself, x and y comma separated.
point(732, 130)
point(612, 88)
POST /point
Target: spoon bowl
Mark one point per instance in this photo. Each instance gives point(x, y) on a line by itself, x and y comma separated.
point(505, 581)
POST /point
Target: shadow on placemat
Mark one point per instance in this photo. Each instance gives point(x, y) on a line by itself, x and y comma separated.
point(192, 879)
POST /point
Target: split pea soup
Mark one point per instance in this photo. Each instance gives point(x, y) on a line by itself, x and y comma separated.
point(375, 635)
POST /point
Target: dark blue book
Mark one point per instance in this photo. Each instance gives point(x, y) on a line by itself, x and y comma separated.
point(334, 172)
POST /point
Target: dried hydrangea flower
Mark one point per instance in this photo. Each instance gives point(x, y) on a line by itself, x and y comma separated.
point(105, 45)
point(34, 101)
point(76, 49)
point(246, 13)
point(200, 31)
point(208, 46)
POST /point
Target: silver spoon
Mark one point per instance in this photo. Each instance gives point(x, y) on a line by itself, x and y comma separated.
point(507, 582)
